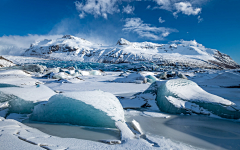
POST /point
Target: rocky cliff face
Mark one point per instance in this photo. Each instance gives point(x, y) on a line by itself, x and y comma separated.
point(187, 53)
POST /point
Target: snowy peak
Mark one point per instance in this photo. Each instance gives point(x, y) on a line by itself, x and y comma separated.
point(65, 41)
point(123, 41)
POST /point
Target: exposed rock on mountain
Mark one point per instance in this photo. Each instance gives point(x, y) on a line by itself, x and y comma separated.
point(5, 63)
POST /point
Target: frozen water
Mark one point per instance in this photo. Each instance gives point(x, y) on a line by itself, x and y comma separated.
point(91, 108)
point(95, 72)
point(72, 131)
point(197, 130)
point(60, 75)
point(180, 75)
point(23, 100)
point(35, 93)
point(225, 79)
point(132, 78)
point(34, 68)
point(163, 76)
point(3, 85)
point(178, 95)
point(151, 78)
point(16, 104)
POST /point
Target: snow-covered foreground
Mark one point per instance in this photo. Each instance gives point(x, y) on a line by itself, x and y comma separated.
point(178, 109)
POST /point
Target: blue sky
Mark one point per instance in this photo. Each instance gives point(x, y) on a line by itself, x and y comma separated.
point(213, 23)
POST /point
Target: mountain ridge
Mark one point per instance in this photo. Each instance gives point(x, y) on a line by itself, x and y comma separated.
point(180, 53)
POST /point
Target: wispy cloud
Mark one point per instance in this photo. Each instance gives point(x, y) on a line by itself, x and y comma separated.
point(128, 9)
point(200, 19)
point(161, 20)
point(148, 31)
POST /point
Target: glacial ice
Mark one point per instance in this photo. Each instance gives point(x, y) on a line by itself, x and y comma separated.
point(4, 85)
point(60, 75)
point(132, 78)
point(95, 72)
point(183, 96)
point(34, 68)
point(151, 78)
point(23, 100)
point(180, 75)
point(89, 108)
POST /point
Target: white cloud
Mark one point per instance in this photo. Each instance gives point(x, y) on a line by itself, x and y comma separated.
point(16, 45)
point(187, 43)
point(128, 9)
point(164, 4)
point(105, 7)
point(186, 8)
point(200, 19)
point(136, 25)
point(97, 7)
point(161, 20)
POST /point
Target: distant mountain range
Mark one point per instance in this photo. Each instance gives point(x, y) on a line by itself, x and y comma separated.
point(183, 53)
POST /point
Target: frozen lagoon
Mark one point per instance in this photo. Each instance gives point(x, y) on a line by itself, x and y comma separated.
point(198, 131)
point(78, 132)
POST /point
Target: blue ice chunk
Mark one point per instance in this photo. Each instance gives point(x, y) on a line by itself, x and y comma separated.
point(151, 78)
point(90, 108)
point(173, 95)
point(4, 85)
point(16, 104)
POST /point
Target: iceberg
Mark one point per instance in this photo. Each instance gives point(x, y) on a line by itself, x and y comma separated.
point(34, 68)
point(95, 72)
point(132, 78)
point(180, 75)
point(151, 78)
point(60, 75)
point(184, 96)
point(89, 108)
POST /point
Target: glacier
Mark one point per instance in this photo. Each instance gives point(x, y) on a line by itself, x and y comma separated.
point(90, 108)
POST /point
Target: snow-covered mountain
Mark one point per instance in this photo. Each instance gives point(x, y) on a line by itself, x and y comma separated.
point(179, 53)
